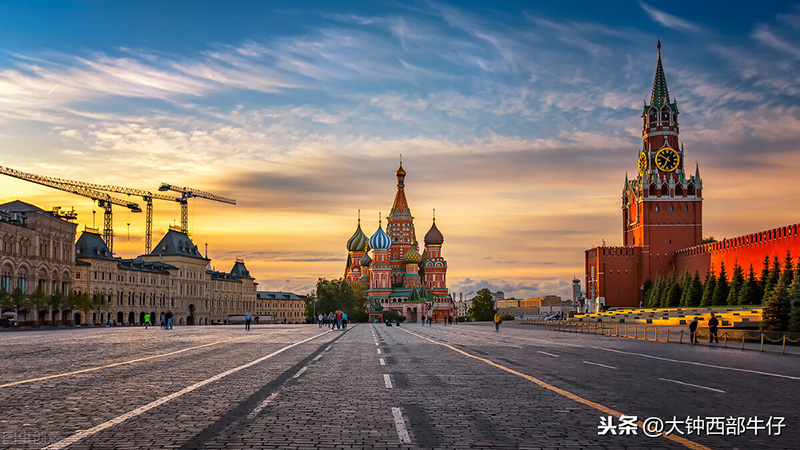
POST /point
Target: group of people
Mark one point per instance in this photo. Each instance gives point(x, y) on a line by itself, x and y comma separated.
point(448, 320)
point(336, 320)
point(713, 326)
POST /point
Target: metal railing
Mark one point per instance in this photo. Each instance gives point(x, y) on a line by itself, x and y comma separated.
point(654, 334)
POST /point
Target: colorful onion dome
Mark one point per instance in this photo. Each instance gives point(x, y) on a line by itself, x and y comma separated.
point(366, 260)
point(412, 256)
point(358, 241)
point(380, 240)
point(400, 172)
point(434, 236)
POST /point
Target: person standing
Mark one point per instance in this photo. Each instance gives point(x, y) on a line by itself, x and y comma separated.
point(247, 318)
point(344, 320)
point(430, 321)
point(693, 331)
point(256, 320)
point(497, 321)
point(110, 321)
point(169, 319)
point(146, 321)
point(163, 321)
point(713, 323)
point(338, 320)
point(424, 318)
point(319, 320)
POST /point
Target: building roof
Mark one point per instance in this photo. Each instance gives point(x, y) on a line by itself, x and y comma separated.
point(239, 270)
point(91, 245)
point(358, 241)
point(380, 240)
point(176, 243)
point(278, 295)
point(400, 205)
point(20, 206)
point(434, 236)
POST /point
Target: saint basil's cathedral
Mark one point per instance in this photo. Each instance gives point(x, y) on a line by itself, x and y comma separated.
point(396, 276)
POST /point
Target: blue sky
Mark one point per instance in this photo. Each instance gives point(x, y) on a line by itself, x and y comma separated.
point(517, 120)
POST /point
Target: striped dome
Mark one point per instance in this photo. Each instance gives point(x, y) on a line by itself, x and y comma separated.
point(366, 260)
point(380, 240)
point(434, 236)
point(358, 241)
point(412, 256)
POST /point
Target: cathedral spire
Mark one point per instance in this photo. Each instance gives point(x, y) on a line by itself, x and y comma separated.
point(400, 206)
point(660, 95)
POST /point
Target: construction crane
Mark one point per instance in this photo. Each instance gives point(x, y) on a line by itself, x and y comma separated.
point(186, 194)
point(76, 187)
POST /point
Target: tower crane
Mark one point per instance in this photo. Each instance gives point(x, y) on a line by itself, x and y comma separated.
point(103, 199)
point(186, 194)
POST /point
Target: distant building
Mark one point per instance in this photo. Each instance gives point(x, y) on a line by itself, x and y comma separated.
point(37, 252)
point(662, 220)
point(276, 305)
point(174, 276)
point(397, 277)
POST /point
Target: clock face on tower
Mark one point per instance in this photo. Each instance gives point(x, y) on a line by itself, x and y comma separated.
point(642, 163)
point(667, 159)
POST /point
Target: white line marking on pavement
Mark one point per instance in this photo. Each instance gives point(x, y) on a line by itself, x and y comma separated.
point(377, 344)
point(601, 365)
point(400, 424)
point(316, 358)
point(379, 351)
point(700, 364)
point(693, 385)
point(548, 354)
point(261, 406)
point(300, 372)
point(327, 348)
point(143, 409)
point(383, 361)
point(388, 380)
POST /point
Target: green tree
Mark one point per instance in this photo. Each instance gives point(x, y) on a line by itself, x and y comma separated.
point(787, 275)
point(751, 293)
point(58, 301)
point(393, 316)
point(16, 300)
point(772, 279)
point(655, 294)
point(776, 313)
point(708, 288)
point(794, 301)
point(340, 295)
point(482, 308)
point(672, 298)
point(85, 304)
point(646, 287)
point(762, 281)
point(39, 301)
point(695, 295)
point(737, 281)
point(721, 288)
point(310, 307)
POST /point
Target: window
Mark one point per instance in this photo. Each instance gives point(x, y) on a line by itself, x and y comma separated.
point(656, 208)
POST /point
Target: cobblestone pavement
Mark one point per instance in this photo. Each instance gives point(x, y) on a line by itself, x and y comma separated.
point(299, 387)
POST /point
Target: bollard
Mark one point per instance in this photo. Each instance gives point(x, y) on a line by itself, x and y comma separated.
point(681, 341)
point(725, 340)
point(762, 341)
point(743, 333)
point(783, 348)
point(626, 331)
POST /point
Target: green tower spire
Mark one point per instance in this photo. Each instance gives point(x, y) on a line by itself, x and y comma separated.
point(660, 95)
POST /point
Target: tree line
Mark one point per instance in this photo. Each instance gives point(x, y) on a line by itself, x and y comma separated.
point(777, 289)
point(17, 300)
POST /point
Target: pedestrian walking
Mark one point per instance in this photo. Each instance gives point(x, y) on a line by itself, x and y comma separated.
point(170, 316)
point(247, 318)
point(424, 318)
point(497, 321)
point(693, 331)
point(163, 321)
point(344, 320)
point(444, 321)
point(110, 321)
point(256, 320)
point(319, 320)
point(713, 323)
point(450, 319)
point(430, 321)
point(146, 321)
point(338, 320)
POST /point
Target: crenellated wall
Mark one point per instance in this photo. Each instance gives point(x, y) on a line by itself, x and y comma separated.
point(742, 250)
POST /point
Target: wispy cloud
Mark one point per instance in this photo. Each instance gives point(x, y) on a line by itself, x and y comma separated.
point(669, 20)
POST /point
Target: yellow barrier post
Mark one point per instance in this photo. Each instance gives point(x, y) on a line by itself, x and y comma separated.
point(743, 333)
point(668, 333)
point(725, 340)
point(762, 341)
point(626, 331)
point(783, 347)
point(681, 341)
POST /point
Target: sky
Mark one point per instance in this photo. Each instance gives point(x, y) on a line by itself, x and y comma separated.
point(516, 121)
